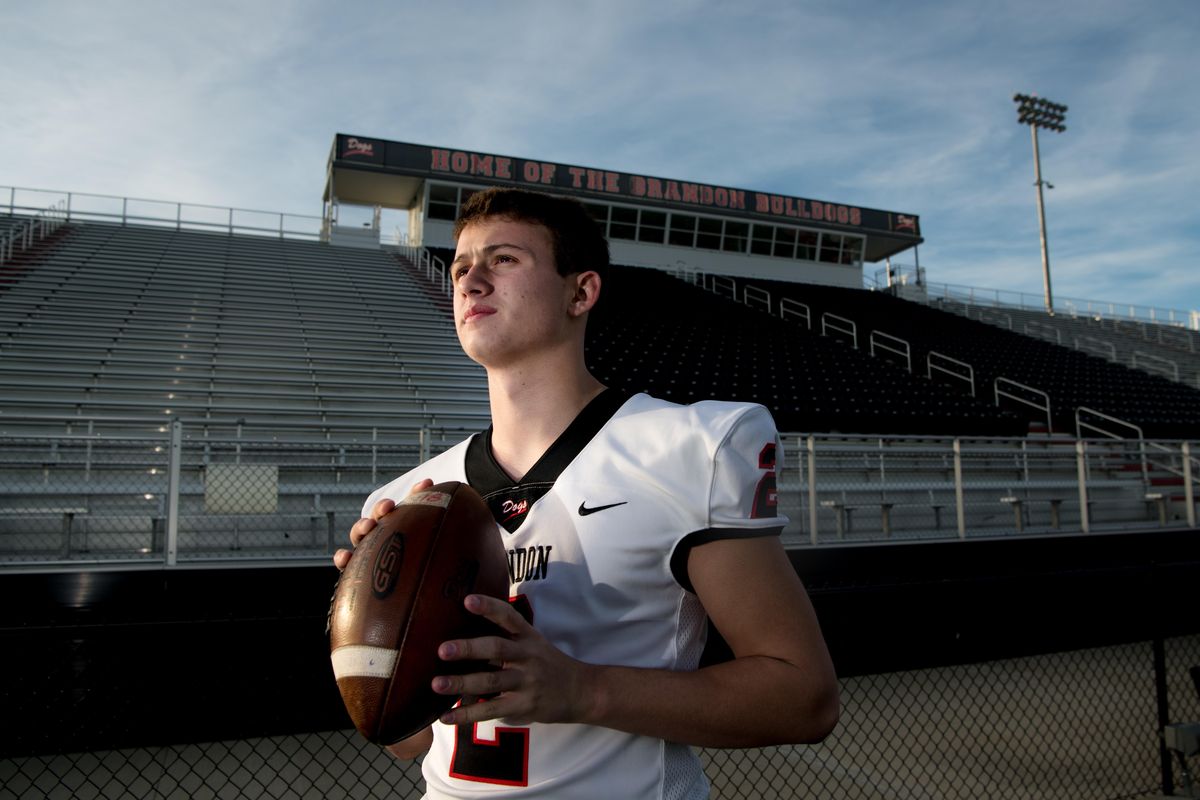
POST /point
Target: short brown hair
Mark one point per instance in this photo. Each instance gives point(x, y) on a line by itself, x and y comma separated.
point(579, 243)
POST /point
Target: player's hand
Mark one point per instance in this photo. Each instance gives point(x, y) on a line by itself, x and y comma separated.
point(360, 529)
point(535, 682)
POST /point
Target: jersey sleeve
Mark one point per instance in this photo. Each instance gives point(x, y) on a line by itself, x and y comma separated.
point(742, 497)
point(743, 493)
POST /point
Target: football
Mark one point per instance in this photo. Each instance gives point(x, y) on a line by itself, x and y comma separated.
point(401, 596)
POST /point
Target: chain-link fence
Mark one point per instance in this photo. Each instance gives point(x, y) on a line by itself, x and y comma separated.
point(194, 491)
point(1065, 725)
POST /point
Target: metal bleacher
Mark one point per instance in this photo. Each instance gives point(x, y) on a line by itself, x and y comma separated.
point(138, 320)
point(1052, 379)
point(317, 371)
point(237, 396)
point(1169, 351)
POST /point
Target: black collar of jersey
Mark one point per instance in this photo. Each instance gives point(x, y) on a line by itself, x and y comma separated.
point(510, 500)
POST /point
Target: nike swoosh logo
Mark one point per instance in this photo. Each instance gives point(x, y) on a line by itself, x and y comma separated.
point(584, 510)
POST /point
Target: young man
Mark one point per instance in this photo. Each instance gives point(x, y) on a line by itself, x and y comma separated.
point(627, 521)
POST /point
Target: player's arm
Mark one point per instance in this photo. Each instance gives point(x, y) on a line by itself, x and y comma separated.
point(417, 744)
point(779, 688)
point(414, 746)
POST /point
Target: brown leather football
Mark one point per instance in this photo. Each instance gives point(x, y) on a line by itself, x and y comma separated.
point(401, 596)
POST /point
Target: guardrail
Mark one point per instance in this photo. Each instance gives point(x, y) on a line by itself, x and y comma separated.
point(1070, 306)
point(186, 493)
point(25, 233)
point(83, 207)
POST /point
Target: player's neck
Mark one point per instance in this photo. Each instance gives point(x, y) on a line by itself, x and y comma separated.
point(531, 408)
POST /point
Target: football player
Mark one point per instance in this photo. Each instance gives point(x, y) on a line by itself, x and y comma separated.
point(628, 521)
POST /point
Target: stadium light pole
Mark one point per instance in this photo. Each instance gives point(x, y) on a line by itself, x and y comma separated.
point(1038, 112)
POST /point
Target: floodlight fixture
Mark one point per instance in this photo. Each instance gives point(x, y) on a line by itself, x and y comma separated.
point(1038, 112)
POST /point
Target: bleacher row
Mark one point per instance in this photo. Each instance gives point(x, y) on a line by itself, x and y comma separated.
point(659, 334)
point(653, 332)
point(109, 332)
point(127, 321)
point(1165, 350)
point(1072, 378)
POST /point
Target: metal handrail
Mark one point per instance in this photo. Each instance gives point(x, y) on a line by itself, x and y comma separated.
point(788, 306)
point(1019, 399)
point(83, 206)
point(851, 328)
point(906, 353)
point(46, 222)
point(1001, 298)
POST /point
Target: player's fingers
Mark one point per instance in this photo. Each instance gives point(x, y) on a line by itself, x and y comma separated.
point(421, 486)
point(468, 713)
point(498, 611)
point(360, 529)
point(483, 648)
point(382, 508)
point(341, 558)
point(478, 684)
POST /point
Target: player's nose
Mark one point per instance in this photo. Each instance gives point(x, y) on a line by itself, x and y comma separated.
point(474, 279)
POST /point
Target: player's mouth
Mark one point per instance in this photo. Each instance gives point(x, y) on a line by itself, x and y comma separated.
point(475, 312)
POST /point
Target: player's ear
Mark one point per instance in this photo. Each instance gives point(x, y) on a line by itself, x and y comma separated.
point(587, 292)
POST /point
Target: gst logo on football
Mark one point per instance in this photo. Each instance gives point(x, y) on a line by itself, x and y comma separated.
point(387, 566)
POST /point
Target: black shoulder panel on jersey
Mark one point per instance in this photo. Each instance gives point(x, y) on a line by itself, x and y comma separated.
point(679, 559)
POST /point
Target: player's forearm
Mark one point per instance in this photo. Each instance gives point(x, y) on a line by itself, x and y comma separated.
point(753, 701)
point(414, 746)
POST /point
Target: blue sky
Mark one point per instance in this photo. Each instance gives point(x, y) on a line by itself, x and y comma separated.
point(900, 106)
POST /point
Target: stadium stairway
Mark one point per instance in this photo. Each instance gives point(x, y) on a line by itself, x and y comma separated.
point(21, 259)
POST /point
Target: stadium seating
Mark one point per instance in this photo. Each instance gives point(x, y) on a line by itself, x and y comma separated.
point(127, 321)
point(1160, 407)
point(142, 321)
point(1166, 350)
point(656, 333)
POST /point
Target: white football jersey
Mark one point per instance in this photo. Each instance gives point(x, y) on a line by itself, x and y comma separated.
point(597, 535)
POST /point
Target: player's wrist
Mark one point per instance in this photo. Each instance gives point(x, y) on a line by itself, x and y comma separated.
point(593, 693)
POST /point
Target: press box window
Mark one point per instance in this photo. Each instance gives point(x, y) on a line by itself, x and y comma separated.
point(785, 243)
point(806, 245)
point(623, 223)
point(760, 245)
point(852, 248)
point(653, 227)
point(736, 234)
point(837, 249)
point(683, 230)
point(599, 212)
point(709, 234)
point(443, 202)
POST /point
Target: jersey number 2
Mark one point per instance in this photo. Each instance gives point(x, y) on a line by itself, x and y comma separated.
point(503, 759)
point(766, 499)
